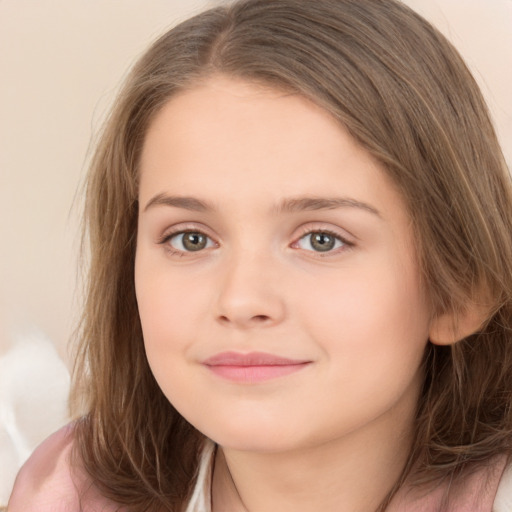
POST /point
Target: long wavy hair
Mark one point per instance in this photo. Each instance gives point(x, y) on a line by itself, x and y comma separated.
point(405, 95)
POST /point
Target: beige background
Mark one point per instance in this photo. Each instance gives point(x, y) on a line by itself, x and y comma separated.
point(61, 62)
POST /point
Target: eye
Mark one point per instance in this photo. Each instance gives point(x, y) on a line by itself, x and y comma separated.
point(321, 241)
point(188, 241)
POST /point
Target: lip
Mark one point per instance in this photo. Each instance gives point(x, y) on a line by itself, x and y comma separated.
point(252, 367)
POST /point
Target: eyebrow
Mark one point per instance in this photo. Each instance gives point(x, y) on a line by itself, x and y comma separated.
point(187, 203)
point(299, 204)
point(291, 205)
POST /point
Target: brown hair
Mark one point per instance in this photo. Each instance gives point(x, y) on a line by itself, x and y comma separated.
point(405, 95)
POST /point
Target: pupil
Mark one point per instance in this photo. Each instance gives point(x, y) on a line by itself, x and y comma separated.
point(322, 242)
point(194, 241)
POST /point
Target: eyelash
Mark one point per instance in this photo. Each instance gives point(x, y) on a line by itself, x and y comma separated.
point(345, 243)
point(168, 236)
point(305, 232)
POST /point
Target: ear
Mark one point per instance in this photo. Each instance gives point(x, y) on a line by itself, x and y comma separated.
point(451, 327)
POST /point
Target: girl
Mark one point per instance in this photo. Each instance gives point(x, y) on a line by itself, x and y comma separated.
point(300, 292)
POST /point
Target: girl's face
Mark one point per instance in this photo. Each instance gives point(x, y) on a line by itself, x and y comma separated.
point(276, 276)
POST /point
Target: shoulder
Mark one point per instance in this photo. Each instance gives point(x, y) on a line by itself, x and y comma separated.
point(503, 501)
point(44, 482)
point(51, 482)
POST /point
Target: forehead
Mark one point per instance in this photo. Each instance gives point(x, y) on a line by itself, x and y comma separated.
point(224, 107)
point(229, 139)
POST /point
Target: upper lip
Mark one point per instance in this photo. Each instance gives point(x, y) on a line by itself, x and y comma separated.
point(250, 359)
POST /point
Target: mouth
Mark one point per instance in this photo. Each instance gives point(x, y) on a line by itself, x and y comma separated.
point(253, 367)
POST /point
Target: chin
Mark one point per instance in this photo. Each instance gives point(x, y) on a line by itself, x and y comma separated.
point(253, 436)
point(261, 444)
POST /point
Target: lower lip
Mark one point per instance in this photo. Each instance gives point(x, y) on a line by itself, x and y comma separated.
point(259, 373)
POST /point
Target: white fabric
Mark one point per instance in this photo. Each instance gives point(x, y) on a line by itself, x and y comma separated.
point(200, 500)
point(34, 385)
point(503, 501)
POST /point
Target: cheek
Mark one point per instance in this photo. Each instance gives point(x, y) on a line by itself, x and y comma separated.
point(373, 331)
point(169, 308)
point(370, 318)
point(168, 314)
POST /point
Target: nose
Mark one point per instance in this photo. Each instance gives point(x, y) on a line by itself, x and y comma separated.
point(250, 293)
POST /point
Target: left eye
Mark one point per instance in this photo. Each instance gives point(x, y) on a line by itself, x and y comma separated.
point(190, 241)
point(320, 241)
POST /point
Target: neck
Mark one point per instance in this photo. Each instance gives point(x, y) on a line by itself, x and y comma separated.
point(355, 472)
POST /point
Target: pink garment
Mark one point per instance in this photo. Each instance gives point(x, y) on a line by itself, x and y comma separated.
point(46, 484)
point(476, 492)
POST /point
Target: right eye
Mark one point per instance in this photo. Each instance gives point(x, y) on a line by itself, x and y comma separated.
point(188, 241)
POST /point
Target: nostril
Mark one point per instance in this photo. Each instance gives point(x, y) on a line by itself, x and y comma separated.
point(261, 318)
point(255, 318)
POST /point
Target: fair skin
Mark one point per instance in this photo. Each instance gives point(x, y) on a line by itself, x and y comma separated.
point(333, 287)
